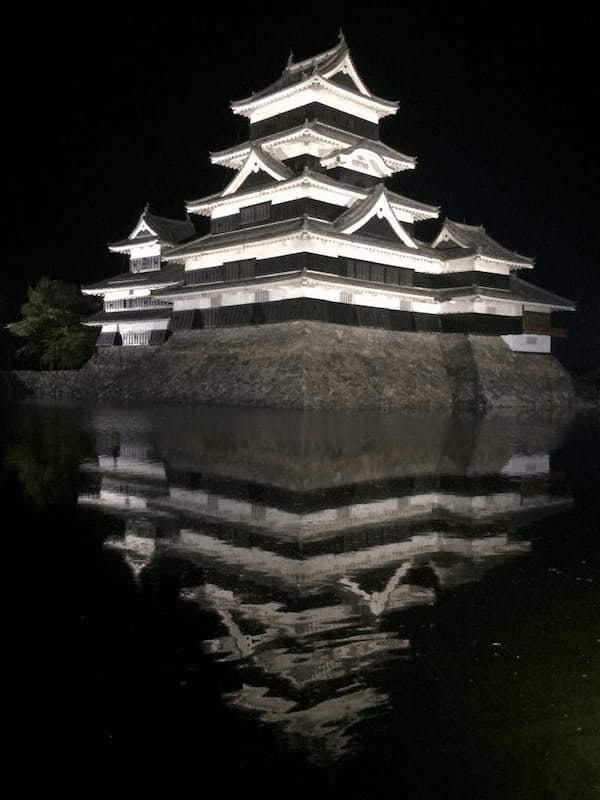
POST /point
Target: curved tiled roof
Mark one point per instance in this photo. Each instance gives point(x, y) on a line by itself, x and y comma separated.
point(352, 140)
point(169, 273)
point(476, 237)
point(296, 73)
point(129, 315)
point(167, 231)
point(535, 294)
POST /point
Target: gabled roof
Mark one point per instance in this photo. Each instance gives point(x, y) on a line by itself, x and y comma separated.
point(349, 140)
point(258, 160)
point(172, 231)
point(323, 66)
point(150, 227)
point(372, 146)
point(476, 237)
point(376, 204)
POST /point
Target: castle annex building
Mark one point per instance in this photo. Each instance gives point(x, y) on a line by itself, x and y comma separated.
point(306, 228)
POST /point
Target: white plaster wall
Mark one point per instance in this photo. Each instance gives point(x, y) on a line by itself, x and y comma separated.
point(527, 464)
point(303, 188)
point(122, 294)
point(321, 291)
point(528, 343)
point(304, 242)
point(144, 325)
point(500, 307)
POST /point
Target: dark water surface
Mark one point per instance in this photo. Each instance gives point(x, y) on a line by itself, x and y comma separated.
point(349, 605)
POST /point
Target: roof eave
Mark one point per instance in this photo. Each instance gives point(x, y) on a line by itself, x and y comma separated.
point(247, 106)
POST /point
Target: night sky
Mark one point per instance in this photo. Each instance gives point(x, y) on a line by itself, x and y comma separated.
point(122, 108)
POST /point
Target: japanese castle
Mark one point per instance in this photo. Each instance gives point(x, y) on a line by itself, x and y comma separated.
point(307, 229)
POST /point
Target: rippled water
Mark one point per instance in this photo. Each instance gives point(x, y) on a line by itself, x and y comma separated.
point(357, 605)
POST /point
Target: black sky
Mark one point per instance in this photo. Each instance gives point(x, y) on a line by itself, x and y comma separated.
point(113, 109)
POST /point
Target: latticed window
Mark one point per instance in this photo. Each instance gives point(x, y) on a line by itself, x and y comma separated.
point(145, 264)
point(377, 273)
point(490, 309)
point(346, 297)
point(136, 337)
point(215, 300)
point(405, 305)
point(405, 277)
point(135, 302)
point(257, 213)
point(363, 271)
point(223, 225)
point(261, 296)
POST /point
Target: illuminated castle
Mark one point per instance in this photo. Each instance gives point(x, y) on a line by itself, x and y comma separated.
point(307, 229)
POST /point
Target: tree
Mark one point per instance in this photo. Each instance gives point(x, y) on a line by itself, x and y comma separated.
point(51, 326)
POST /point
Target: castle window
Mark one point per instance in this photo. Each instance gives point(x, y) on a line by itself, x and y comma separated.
point(223, 225)
point(261, 296)
point(378, 273)
point(215, 300)
point(136, 337)
point(145, 264)
point(257, 213)
point(346, 297)
point(405, 305)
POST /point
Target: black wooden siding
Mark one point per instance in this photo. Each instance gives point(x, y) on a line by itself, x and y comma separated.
point(345, 267)
point(279, 212)
point(346, 175)
point(342, 314)
point(315, 112)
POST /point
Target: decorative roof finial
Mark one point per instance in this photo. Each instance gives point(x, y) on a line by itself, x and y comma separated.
point(341, 37)
point(147, 208)
point(290, 60)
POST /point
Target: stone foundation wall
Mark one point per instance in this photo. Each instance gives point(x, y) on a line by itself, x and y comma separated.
point(307, 364)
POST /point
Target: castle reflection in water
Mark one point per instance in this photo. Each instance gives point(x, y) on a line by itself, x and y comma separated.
point(314, 533)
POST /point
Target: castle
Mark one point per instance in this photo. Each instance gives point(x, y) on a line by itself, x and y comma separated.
point(307, 229)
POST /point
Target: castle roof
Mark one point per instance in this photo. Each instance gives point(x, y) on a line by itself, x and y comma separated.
point(476, 237)
point(350, 140)
point(535, 294)
point(324, 66)
point(361, 208)
point(150, 227)
point(169, 273)
point(519, 290)
point(136, 315)
point(270, 230)
point(423, 210)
